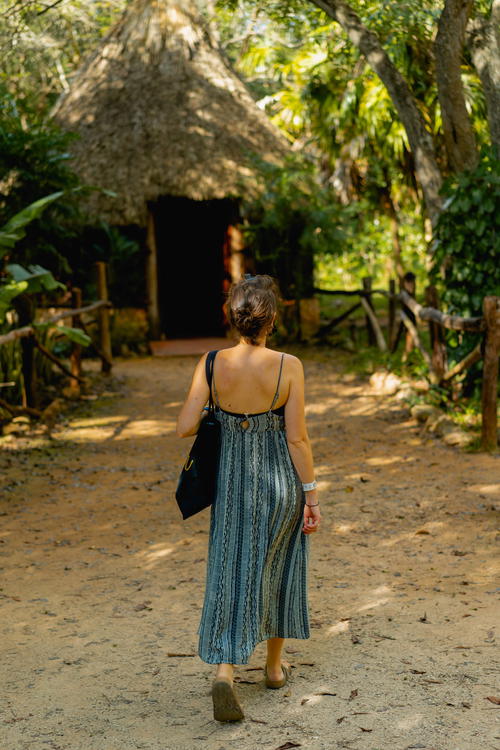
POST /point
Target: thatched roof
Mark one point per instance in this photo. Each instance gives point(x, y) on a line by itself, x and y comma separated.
point(159, 111)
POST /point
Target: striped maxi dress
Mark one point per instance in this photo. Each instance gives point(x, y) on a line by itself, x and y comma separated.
point(257, 564)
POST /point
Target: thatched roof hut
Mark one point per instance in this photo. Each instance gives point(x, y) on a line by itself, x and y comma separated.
point(160, 112)
point(168, 126)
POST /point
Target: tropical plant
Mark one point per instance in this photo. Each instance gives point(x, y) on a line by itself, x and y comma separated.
point(19, 287)
point(466, 261)
point(41, 44)
point(291, 219)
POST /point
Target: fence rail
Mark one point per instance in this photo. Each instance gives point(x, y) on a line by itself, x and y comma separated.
point(27, 335)
point(410, 314)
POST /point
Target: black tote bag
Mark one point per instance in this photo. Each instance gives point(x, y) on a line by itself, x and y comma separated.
point(196, 487)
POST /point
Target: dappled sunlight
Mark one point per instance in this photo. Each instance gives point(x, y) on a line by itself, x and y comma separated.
point(320, 408)
point(97, 421)
point(410, 722)
point(373, 604)
point(383, 460)
point(339, 627)
point(102, 579)
point(154, 554)
point(313, 699)
point(118, 427)
point(426, 529)
point(148, 428)
point(345, 528)
point(95, 434)
point(489, 489)
point(381, 596)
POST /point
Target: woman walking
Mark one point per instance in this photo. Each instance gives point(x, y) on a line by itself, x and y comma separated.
point(266, 504)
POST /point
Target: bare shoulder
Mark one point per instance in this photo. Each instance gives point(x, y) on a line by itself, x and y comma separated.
point(294, 364)
point(200, 365)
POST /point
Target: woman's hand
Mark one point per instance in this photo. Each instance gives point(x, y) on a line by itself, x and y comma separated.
point(312, 518)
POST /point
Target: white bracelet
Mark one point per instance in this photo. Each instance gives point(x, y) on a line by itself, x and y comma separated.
point(306, 486)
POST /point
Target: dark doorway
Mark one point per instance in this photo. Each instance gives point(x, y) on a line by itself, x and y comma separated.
point(190, 239)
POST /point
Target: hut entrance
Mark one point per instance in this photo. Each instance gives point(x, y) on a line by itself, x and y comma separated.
point(193, 264)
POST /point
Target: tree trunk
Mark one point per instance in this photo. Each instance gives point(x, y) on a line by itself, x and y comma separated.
point(459, 137)
point(420, 140)
point(25, 308)
point(152, 278)
point(391, 211)
point(483, 40)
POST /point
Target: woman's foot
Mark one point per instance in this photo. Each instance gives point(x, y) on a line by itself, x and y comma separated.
point(277, 675)
point(226, 704)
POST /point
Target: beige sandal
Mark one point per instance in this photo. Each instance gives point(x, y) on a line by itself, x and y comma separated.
point(226, 705)
point(273, 684)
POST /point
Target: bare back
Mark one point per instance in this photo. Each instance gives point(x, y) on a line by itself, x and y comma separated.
point(246, 381)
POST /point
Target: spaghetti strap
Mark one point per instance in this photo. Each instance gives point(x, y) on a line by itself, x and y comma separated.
point(278, 385)
point(216, 395)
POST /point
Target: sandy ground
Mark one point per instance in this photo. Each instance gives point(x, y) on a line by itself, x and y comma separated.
point(102, 584)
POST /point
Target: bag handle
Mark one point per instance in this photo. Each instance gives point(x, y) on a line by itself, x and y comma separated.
point(209, 368)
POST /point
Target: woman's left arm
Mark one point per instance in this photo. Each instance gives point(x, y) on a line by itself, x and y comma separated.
point(190, 415)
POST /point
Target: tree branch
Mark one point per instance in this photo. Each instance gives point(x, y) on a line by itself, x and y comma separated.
point(483, 40)
point(419, 138)
point(448, 47)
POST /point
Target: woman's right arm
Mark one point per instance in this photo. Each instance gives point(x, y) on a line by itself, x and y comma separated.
point(298, 441)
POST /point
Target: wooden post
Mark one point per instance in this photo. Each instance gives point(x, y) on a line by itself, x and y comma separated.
point(491, 312)
point(152, 278)
point(76, 349)
point(103, 317)
point(410, 286)
point(25, 309)
point(391, 314)
point(379, 336)
point(438, 347)
point(367, 285)
point(236, 253)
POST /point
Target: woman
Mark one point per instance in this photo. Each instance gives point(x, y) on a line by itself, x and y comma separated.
point(266, 503)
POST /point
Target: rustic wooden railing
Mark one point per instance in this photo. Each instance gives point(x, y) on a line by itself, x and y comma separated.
point(74, 372)
point(411, 312)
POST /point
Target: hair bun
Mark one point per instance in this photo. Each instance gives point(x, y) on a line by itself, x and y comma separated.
point(252, 304)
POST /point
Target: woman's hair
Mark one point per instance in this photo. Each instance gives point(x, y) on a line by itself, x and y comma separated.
point(251, 304)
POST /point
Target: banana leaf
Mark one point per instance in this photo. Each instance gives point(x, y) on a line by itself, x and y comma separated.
point(14, 230)
point(73, 334)
point(38, 279)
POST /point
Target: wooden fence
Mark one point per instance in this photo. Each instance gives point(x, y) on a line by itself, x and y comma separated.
point(28, 336)
point(411, 312)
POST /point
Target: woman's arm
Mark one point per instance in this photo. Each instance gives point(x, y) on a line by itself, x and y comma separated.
point(295, 422)
point(299, 444)
point(190, 414)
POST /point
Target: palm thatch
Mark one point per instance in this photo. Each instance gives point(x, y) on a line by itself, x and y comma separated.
point(160, 112)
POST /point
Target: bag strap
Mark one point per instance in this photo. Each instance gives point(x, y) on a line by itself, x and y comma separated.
point(209, 368)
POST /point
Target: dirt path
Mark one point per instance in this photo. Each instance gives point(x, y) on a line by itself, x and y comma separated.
point(102, 585)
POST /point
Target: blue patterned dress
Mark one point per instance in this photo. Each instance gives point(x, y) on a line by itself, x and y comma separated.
point(256, 577)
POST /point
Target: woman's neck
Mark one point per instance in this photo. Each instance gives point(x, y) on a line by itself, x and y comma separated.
point(244, 344)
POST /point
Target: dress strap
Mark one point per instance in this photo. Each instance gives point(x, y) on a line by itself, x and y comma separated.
point(278, 386)
point(216, 395)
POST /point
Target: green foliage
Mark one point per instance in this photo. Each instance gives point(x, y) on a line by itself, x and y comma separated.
point(34, 166)
point(121, 249)
point(40, 43)
point(15, 229)
point(290, 221)
point(24, 280)
point(466, 262)
point(26, 283)
point(72, 334)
